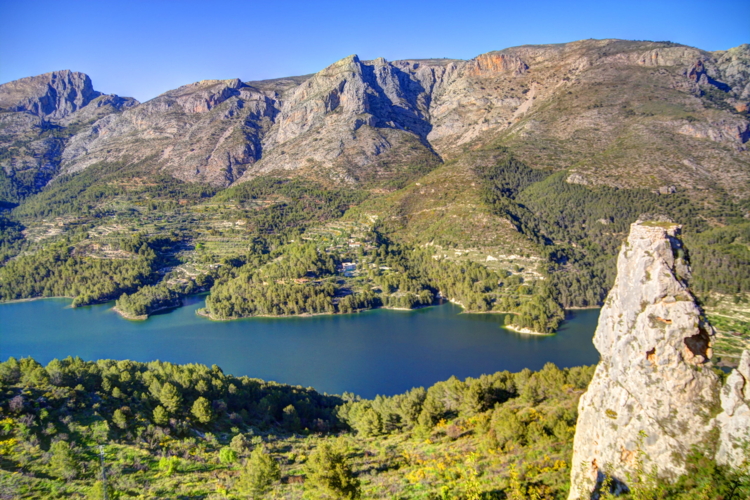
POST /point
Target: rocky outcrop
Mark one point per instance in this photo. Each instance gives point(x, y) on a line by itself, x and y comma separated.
point(734, 420)
point(351, 118)
point(209, 131)
point(37, 116)
point(52, 95)
point(654, 395)
point(652, 392)
point(733, 64)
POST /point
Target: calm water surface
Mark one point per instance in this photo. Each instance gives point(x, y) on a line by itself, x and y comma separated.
point(376, 352)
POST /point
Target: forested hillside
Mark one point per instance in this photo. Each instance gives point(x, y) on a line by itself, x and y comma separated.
point(77, 429)
point(505, 183)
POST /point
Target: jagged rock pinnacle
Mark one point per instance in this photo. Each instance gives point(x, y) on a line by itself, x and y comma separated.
point(653, 394)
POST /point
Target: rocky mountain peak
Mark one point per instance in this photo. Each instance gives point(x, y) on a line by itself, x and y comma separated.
point(653, 391)
point(51, 95)
point(350, 114)
point(203, 96)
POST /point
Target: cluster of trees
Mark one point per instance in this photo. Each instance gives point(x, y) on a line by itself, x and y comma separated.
point(299, 203)
point(238, 299)
point(581, 229)
point(134, 397)
point(299, 279)
point(11, 237)
point(360, 301)
point(58, 271)
point(466, 282)
point(297, 261)
point(540, 313)
point(282, 286)
point(421, 410)
point(147, 300)
point(86, 192)
point(720, 259)
point(420, 276)
point(70, 406)
point(410, 300)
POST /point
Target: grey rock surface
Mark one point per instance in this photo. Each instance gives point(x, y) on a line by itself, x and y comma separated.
point(51, 95)
point(37, 117)
point(208, 131)
point(734, 420)
point(653, 393)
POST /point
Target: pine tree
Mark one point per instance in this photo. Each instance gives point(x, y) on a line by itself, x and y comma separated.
point(291, 420)
point(119, 419)
point(329, 475)
point(170, 398)
point(202, 410)
point(160, 416)
point(259, 474)
point(63, 462)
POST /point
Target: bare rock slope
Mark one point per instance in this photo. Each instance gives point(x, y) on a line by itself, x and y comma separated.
point(37, 117)
point(653, 395)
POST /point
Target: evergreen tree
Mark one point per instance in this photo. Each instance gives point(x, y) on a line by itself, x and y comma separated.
point(119, 419)
point(291, 420)
point(170, 398)
point(329, 475)
point(227, 455)
point(260, 473)
point(63, 462)
point(160, 416)
point(202, 410)
point(239, 444)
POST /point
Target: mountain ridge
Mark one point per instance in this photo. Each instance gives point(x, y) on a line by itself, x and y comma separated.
point(358, 121)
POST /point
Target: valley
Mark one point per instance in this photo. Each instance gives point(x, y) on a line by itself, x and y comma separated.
point(307, 230)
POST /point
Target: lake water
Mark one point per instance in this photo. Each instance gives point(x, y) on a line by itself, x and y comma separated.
point(375, 352)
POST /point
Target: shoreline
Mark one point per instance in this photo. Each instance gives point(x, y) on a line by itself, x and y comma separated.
point(130, 317)
point(527, 331)
point(31, 299)
point(144, 317)
point(202, 312)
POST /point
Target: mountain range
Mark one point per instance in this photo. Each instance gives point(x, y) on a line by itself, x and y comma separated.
point(621, 113)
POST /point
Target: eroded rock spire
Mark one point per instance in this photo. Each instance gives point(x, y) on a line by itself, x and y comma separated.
point(653, 395)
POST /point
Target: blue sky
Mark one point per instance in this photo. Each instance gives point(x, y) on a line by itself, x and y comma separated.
point(143, 48)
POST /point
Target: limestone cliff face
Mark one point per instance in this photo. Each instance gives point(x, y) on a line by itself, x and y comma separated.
point(653, 391)
point(209, 131)
point(37, 114)
point(350, 119)
point(52, 95)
